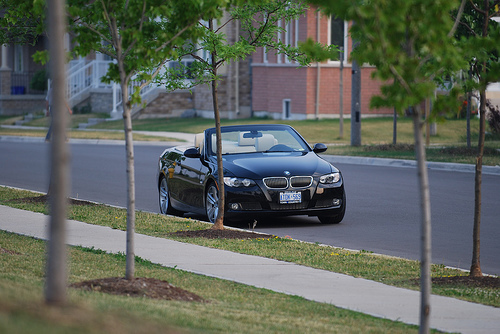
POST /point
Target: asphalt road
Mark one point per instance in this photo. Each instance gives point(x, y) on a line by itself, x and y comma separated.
point(383, 213)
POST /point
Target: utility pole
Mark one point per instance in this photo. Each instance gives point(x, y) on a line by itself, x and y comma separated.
point(395, 127)
point(341, 94)
point(356, 104)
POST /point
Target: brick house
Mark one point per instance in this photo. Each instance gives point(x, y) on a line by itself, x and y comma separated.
point(264, 84)
point(282, 91)
point(16, 73)
point(234, 90)
point(270, 85)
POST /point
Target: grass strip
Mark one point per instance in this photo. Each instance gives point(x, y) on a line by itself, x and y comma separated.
point(389, 270)
point(232, 307)
point(449, 145)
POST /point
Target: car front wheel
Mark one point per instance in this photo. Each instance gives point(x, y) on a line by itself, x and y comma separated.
point(212, 203)
point(164, 199)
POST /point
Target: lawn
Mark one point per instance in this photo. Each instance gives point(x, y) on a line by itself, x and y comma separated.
point(389, 270)
point(448, 145)
point(229, 308)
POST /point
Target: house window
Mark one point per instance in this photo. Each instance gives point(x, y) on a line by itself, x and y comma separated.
point(296, 33)
point(18, 58)
point(337, 32)
point(288, 37)
point(291, 35)
point(182, 69)
point(287, 108)
point(279, 55)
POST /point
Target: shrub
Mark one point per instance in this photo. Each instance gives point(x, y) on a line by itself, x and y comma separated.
point(39, 80)
point(493, 116)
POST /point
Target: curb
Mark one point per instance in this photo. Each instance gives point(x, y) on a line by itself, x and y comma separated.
point(445, 166)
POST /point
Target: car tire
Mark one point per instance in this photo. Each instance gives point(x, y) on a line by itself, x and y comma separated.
point(164, 199)
point(335, 219)
point(212, 202)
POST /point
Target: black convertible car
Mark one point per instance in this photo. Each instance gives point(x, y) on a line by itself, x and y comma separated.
point(268, 170)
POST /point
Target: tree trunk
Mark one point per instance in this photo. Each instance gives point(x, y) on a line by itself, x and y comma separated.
point(129, 152)
point(475, 269)
point(129, 148)
point(56, 282)
point(219, 222)
point(425, 237)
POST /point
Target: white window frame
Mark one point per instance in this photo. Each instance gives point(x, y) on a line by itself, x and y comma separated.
point(279, 55)
point(18, 58)
point(284, 104)
point(288, 38)
point(346, 40)
point(296, 42)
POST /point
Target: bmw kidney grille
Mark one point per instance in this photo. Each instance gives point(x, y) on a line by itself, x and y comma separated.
point(283, 182)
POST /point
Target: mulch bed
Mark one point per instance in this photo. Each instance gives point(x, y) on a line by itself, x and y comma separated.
point(473, 282)
point(222, 234)
point(139, 287)
point(45, 199)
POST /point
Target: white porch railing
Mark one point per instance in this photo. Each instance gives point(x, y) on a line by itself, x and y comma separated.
point(147, 94)
point(83, 76)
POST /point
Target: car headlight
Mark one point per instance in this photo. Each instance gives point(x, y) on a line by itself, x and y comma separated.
point(238, 182)
point(329, 178)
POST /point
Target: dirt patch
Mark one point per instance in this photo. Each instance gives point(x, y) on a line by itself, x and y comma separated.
point(7, 251)
point(139, 287)
point(222, 234)
point(469, 281)
point(45, 199)
point(491, 282)
point(389, 147)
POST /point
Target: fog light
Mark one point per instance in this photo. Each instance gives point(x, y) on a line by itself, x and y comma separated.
point(336, 201)
point(234, 206)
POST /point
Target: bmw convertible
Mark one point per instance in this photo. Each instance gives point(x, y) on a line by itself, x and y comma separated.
point(269, 170)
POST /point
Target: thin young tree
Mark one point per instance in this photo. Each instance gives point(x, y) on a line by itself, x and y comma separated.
point(55, 286)
point(23, 22)
point(410, 44)
point(259, 27)
point(140, 35)
point(479, 36)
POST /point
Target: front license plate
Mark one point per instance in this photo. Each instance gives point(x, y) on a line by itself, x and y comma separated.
point(290, 197)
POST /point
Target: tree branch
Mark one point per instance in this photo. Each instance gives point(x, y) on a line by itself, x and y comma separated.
point(457, 19)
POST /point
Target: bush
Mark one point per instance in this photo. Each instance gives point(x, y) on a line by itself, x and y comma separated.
point(39, 81)
point(493, 117)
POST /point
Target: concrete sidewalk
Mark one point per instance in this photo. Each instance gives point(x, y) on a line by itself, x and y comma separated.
point(447, 314)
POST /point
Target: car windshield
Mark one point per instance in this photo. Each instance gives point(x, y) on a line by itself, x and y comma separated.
point(241, 140)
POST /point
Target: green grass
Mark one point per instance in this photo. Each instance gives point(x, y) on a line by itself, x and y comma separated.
point(389, 270)
point(449, 145)
point(231, 307)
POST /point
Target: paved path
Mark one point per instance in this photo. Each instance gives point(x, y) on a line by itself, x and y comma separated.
point(377, 299)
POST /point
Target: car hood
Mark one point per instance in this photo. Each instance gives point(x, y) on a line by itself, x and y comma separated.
point(259, 165)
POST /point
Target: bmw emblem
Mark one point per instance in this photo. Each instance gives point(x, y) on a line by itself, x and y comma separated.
point(287, 173)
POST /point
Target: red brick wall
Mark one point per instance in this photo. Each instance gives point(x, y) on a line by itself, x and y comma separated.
point(274, 82)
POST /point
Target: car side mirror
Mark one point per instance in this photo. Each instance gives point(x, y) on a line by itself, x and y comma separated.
point(319, 148)
point(192, 153)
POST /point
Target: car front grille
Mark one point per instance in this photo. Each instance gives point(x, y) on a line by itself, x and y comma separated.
point(276, 182)
point(301, 181)
point(250, 206)
point(283, 182)
point(323, 203)
point(294, 206)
